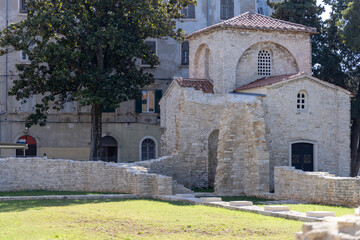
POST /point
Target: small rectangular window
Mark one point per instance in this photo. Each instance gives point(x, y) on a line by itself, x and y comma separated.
point(24, 56)
point(152, 44)
point(188, 12)
point(226, 9)
point(185, 53)
point(23, 8)
point(148, 101)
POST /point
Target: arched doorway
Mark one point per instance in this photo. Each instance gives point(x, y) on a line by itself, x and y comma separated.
point(31, 151)
point(302, 156)
point(212, 157)
point(109, 149)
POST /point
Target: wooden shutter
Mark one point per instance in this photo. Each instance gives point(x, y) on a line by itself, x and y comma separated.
point(138, 106)
point(158, 95)
point(191, 11)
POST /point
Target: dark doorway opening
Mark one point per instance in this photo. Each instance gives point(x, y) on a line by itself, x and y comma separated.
point(302, 156)
point(212, 157)
point(31, 151)
point(109, 149)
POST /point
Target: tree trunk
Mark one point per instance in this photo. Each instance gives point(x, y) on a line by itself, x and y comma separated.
point(96, 132)
point(355, 134)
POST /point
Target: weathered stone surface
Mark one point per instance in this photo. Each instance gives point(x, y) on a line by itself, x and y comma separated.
point(277, 208)
point(20, 174)
point(342, 228)
point(240, 203)
point(210, 199)
point(320, 214)
point(316, 187)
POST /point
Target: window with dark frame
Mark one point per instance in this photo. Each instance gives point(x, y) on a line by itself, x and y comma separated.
point(185, 53)
point(23, 8)
point(148, 149)
point(264, 63)
point(301, 101)
point(226, 9)
point(152, 44)
point(188, 12)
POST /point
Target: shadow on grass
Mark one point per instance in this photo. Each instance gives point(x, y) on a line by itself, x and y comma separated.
point(19, 206)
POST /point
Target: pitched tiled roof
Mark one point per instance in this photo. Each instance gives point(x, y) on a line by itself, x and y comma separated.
point(268, 81)
point(258, 22)
point(198, 84)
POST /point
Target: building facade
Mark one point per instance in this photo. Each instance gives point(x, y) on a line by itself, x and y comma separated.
point(130, 132)
point(251, 104)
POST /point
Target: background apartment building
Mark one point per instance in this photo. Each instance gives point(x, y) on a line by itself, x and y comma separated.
point(130, 132)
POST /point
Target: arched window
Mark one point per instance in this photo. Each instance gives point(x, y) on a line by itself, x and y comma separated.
point(264, 63)
point(148, 149)
point(31, 142)
point(301, 100)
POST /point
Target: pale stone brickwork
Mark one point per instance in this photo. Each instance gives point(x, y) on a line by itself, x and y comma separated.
point(316, 187)
point(242, 158)
point(19, 174)
point(228, 57)
point(342, 228)
point(324, 123)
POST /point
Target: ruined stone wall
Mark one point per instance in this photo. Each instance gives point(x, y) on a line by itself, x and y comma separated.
point(192, 116)
point(227, 46)
point(325, 123)
point(243, 160)
point(316, 187)
point(21, 174)
point(341, 228)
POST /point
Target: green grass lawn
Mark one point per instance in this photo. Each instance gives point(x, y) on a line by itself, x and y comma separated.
point(135, 219)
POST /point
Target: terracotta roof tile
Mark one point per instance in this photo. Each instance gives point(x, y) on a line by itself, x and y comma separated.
point(257, 21)
point(198, 84)
point(268, 81)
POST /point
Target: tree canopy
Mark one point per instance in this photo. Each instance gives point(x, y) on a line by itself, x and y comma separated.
point(88, 51)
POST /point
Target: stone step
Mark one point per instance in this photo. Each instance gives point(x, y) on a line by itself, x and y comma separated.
point(277, 208)
point(185, 195)
point(210, 199)
point(320, 214)
point(240, 203)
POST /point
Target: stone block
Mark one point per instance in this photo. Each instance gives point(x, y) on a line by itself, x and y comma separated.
point(210, 199)
point(320, 214)
point(277, 208)
point(185, 195)
point(240, 203)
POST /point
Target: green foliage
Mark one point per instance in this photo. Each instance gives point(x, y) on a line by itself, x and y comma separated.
point(350, 25)
point(304, 12)
point(87, 51)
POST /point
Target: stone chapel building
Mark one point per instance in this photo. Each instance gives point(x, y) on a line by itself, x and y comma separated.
point(251, 104)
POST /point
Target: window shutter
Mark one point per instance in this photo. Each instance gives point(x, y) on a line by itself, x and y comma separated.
point(223, 9)
point(230, 9)
point(191, 11)
point(158, 95)
point(138, 106)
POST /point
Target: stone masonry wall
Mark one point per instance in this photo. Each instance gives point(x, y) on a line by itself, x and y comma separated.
point(243, 160)
point(316, 187)
point(227, 46)
point(19, 174)
point(325, 123)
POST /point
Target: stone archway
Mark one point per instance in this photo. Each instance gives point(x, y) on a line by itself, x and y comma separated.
point(212, 157)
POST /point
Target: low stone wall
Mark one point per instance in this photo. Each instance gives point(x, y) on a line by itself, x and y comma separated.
point(342, 228)
point(316, 187)
point(19, 174)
